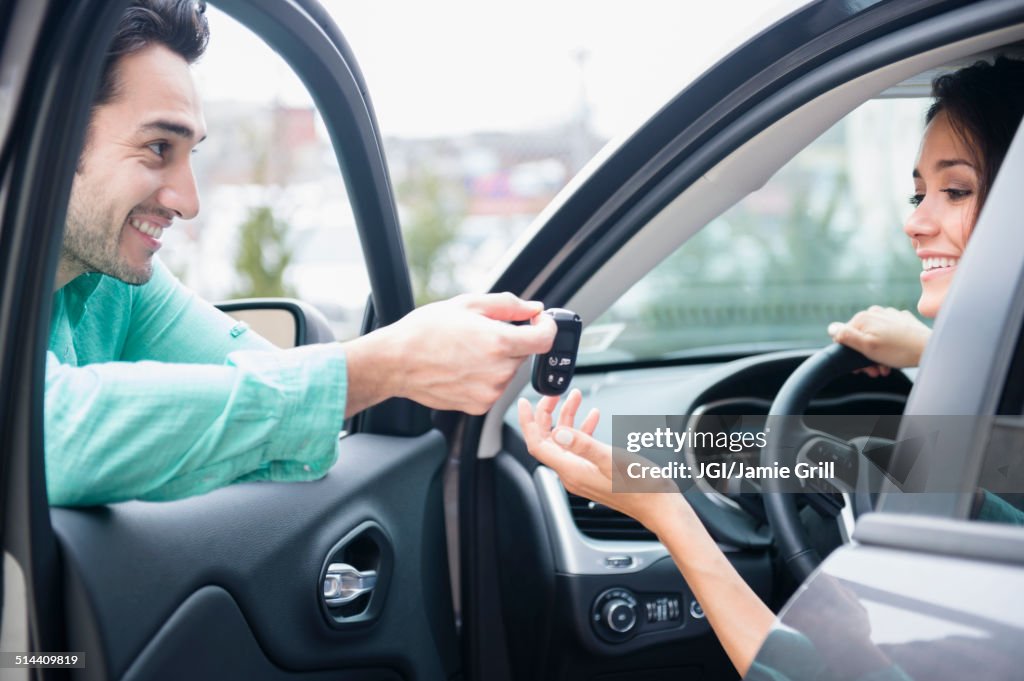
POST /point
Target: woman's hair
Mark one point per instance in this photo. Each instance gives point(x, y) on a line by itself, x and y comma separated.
point(984, 104)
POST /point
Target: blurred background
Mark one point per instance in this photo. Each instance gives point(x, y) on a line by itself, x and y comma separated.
point(487, 111)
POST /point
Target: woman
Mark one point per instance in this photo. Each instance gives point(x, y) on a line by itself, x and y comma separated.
point(969, 128)
point(973, 120)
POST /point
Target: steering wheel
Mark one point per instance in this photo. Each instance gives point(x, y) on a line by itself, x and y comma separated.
point(791, 440)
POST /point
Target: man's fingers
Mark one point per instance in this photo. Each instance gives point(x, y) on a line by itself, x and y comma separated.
point(567, 415)
point(504, 307)
point(531, 339)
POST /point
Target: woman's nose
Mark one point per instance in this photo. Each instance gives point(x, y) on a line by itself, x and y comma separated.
point(922, 222)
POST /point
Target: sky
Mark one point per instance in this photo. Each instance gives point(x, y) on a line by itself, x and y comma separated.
point(457, 66)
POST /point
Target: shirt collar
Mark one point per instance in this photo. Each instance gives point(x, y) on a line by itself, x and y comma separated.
point(76, 294)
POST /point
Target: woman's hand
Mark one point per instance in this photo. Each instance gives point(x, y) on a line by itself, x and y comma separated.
point(585, 465)
point(891, 337)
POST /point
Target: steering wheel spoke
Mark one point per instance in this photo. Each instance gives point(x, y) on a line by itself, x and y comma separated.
point(831, 458)
point(795, 444)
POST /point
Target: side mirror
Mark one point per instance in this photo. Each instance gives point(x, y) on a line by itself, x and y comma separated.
point(285, 322)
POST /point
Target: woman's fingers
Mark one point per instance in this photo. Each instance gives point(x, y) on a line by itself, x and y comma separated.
point(537, 440)
point(527, 420)
point(875, 370)
point(587, 447)
point(568, 412)
point(545, 407)
point(849, 335)
point(590, 423)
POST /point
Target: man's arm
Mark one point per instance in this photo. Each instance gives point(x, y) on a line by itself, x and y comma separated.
point(150, 430)
point(458, 354)
point(171, 323)
point(184, 424)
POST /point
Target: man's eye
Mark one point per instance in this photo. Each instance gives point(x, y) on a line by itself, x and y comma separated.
point(916, 200)
point(158, 148)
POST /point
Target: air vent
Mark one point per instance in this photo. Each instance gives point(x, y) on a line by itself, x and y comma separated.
point(600, 522)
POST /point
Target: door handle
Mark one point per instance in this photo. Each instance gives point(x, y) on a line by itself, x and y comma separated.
point(344, 584)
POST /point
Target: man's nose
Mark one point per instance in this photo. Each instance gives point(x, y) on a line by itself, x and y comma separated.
point(179, 192)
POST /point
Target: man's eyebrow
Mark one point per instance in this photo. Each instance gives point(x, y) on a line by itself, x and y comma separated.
point(171, 128)
point(948, 163)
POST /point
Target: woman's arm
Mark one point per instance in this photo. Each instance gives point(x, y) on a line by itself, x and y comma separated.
point(738, 617)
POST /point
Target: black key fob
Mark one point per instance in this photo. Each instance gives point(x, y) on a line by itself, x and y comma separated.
point(552, 371)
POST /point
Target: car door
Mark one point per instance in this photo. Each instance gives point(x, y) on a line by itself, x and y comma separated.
point(230, 584)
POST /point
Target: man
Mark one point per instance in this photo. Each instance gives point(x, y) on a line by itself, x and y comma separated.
point(152, 393)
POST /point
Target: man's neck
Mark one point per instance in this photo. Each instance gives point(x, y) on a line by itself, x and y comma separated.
point(66, 271)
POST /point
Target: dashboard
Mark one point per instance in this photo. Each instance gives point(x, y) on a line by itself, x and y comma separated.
point(619, 594)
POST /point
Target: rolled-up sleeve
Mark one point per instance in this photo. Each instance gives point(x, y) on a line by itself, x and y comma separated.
point(151, 430)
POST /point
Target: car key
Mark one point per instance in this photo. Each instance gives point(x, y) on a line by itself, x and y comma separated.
point(552, 371)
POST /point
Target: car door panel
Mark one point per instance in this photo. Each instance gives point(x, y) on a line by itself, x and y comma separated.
point(208, 637)
point(138, 569)
point(925, 605)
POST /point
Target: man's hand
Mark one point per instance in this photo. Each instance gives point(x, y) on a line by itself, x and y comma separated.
point(457, 354)
point(893, 338)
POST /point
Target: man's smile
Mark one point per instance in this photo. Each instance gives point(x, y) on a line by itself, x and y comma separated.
point(146, 227)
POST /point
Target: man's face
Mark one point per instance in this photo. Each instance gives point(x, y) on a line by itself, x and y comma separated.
point(135, 174)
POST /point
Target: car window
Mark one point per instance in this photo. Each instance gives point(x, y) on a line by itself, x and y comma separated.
point(275, 219)
point(820, 241)
point(483, 127)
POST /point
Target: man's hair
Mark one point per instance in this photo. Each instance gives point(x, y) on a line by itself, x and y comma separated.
point(984, 104)
point(179, 25)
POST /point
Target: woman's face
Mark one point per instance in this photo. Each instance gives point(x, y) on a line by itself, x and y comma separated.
point(945, 196)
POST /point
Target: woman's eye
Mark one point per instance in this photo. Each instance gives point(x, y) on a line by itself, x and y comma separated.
point(957, 194)
point(916, 200)
point(158, 148)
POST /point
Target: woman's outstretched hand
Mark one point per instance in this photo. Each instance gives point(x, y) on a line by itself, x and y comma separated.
point(893, 338)
point(585, 465)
